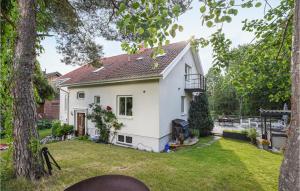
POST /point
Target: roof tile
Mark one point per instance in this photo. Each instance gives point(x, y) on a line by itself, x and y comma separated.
point(125, 66)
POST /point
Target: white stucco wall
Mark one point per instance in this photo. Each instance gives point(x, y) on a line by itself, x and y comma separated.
point(143, 125)
point(171, 88)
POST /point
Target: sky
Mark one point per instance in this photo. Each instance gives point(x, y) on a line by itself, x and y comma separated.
point(50, 59)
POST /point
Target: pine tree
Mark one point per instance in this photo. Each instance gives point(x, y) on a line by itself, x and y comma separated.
point(199, 116)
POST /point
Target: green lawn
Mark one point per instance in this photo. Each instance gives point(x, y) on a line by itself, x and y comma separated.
point(43, 133)
point(225, 165)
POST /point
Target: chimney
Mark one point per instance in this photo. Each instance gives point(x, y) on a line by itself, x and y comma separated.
point(128, 58)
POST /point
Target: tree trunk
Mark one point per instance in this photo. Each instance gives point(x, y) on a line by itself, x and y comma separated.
point(26, 157)
point(289, 179)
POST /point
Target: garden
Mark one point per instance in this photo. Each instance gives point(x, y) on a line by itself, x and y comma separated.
point(226, 164)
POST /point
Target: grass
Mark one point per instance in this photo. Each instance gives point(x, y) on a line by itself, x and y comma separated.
point(43, 133)
point(225, 165)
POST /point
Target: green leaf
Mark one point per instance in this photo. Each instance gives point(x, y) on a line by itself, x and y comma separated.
point(258, 4)
point(202, 9)
point(122, 8)
point(135, 5)
point(209, 24)
point(180, 28)
point(140, 31)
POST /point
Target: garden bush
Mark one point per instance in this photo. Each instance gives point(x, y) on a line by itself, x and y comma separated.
point(59, 130)
point(252, 134)
point(44, 124)
point(199, 116)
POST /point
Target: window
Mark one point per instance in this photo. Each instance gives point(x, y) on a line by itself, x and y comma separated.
point(97, 100)
point(125, 139)
point(121, 138)
point(182, 104)
point(80, 95)
point(128, 139)
point(125, 105)
point(66, 102)
point(188, 71)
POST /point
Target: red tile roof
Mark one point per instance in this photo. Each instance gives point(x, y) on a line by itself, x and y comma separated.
point(124, 66)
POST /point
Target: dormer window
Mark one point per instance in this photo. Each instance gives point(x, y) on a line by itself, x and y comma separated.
point(80, 95)
point(160, 55)
point(97, 70)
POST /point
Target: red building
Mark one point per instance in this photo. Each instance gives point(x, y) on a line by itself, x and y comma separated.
point(50, 108)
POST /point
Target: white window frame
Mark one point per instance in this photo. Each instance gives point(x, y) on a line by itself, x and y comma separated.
point(118, 105)
point(66, 102)
point(125, 137)
point(95, 98)
point(187, 70)
point(79, 92)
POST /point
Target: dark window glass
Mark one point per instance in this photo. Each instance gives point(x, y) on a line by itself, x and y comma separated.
point(80, 95)
point(182, 104)
point(121, 138)
point(97, 99)
point(125, 106)
point(122, 106)
point(129, 106)
point(128, 139)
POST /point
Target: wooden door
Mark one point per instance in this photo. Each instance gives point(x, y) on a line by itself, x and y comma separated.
point(81, 123)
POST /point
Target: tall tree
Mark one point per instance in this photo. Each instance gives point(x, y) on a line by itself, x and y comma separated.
point(290, 168)
point(26, 158)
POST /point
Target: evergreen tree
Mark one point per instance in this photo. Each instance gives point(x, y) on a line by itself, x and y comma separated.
point(199, 116)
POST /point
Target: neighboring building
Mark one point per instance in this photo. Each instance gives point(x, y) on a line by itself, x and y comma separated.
point(145, 94)
point(50, 108)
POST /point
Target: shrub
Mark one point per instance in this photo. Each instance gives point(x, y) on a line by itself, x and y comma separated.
point(67, 129)
point(56, 126)
point(199, 117)
point(44, 124)
point(83, 138)
point(105, 120)
point(59, 130)
point(252, 134)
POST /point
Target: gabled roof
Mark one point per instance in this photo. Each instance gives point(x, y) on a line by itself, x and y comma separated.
point(124, 67)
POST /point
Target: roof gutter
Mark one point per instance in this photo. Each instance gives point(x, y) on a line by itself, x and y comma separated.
point(113, 81)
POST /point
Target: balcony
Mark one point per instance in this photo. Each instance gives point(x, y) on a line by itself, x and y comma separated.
point(194, 83)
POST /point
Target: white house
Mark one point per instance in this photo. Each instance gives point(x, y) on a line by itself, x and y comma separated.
point(145, 94)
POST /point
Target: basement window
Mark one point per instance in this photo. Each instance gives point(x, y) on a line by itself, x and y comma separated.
point(121, 138)
point(125, 139)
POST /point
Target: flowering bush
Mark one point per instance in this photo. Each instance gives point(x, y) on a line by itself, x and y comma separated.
point(105, 120)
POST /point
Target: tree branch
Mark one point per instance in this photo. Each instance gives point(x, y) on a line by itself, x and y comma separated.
point(6, 18)
point(284, 35)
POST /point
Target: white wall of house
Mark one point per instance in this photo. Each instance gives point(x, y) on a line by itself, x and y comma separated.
point(143, 126)
point(171, 90)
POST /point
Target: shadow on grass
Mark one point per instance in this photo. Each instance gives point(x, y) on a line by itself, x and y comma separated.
point(211, 168)
point(224, 165)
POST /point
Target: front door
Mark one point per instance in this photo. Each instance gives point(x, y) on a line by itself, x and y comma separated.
point(81, 124)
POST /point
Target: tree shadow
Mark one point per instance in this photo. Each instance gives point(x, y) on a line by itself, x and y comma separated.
point(219, 167)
